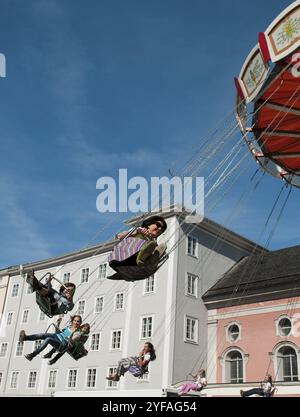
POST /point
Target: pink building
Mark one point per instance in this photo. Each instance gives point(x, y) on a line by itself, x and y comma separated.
point(254, 325)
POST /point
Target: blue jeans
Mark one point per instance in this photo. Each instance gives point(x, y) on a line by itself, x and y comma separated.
point(48, 339)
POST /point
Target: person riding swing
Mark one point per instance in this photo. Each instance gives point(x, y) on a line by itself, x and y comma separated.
point(60, 302)
point(136, 365)
point(59, 340)
point(76, 349)
point(138, 255)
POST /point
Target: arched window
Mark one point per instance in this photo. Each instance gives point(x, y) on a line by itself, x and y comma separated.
point(287, 364)
point(234, 367)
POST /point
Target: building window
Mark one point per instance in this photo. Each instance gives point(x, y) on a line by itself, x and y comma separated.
point(52, 379)
point(95, 341)
point(112, 384)
point(81, 307)
point(191, 330)
point(42, 316)
point(85, 275)
point(234, 367)
point(192, 285)
point(287, 363)
point(9, 318)
point(14, 379)
point(19, 349)
point(91, 378)
point(116, 339)
point(29, 289)
point(32, 379)
point(285, 327)
point(15, 290)
point(25, 316)
point(233, 332)
point(119, 301)
point(72, 378)
point(149, 287)
point(192, 246)
point(99, 305)
point(147, 327)
point(102, 271)
point(66, 277)
point(3, 349)
point(1, 377)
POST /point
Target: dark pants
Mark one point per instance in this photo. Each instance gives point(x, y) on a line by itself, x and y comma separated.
point(56, 357)
point(48, 339)
point(114, 264)
point(258, 391)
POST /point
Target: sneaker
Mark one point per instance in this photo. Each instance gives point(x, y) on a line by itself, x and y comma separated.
point(22, 336)
point(29, 356)
point(47, 356)
point(51, 362)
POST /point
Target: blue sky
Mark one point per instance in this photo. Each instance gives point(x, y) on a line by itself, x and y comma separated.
point(100, 85)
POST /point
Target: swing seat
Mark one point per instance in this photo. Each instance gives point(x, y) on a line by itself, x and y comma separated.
point(138, 272)
point(44, 304)
point(77, 352)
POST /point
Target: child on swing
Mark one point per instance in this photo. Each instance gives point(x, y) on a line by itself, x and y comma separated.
point(59, 340)
point(198, 384)
point(264, 391)
point(136, 365)
point(79, 337)
point(61, 301)
point(139, 248)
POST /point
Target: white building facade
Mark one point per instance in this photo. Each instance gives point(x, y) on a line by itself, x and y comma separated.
point(166, 309)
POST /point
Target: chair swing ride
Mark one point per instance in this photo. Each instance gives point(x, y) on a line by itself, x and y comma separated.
point(268, 94)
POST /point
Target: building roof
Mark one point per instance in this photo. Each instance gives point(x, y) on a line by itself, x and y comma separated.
point(267, 276)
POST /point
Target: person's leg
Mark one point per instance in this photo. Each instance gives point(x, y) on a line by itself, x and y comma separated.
point(146, 252)
point(48, 338)
point(49, 354)
point(33, 281)
point(183, 388)
point(40, 336)
point(123, 366)
point(153, 260)
point(258, 391)
point(189, 386)
point(56, 357)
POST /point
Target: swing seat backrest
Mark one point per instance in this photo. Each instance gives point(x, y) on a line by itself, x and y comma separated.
point(44, 304)
point(77, 352)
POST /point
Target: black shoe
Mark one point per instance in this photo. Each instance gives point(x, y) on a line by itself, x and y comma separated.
point(29, 356)
point(47, 356)
point(22, 336)
point(52, 362)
